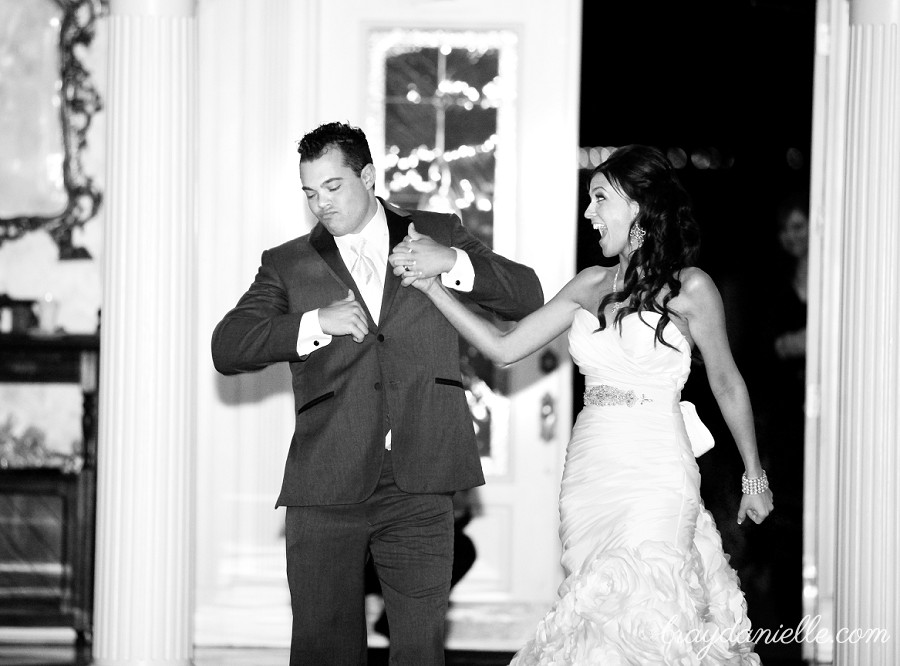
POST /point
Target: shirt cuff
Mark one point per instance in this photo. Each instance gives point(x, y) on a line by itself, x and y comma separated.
point(462, 276)
point(310, 336)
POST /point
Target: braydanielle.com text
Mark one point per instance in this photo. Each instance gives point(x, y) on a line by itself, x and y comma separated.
point(807, 631)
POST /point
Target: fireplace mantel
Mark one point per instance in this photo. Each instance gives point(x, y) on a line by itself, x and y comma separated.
point(47, 507)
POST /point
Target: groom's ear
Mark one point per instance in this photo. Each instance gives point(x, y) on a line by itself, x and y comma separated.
point(368, 176)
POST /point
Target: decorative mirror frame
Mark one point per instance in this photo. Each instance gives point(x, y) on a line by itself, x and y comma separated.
point(79, 102)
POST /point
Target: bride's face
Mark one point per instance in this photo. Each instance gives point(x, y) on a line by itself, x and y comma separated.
point(611, 214)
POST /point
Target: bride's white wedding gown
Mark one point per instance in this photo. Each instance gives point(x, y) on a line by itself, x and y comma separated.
point(646, 581)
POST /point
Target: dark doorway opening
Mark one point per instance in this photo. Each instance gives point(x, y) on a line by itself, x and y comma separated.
point(725, 88)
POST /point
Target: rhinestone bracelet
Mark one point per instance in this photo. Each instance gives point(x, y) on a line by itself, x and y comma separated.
point(754, 486)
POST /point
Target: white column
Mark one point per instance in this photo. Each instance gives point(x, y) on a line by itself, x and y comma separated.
point(144, 590)
point(826, 308)
point(868, 478)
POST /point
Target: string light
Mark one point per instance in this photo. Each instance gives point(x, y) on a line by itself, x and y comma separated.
point(460, 93)
point(709, 158)
point(407, 174)
point(427, 170)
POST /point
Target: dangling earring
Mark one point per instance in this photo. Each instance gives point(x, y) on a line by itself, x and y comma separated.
point(636, 236)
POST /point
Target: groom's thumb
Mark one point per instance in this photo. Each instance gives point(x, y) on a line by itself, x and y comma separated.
point(415, 235)
point(350, 296)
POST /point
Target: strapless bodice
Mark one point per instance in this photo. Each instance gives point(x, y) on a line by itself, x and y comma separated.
point(632, 358)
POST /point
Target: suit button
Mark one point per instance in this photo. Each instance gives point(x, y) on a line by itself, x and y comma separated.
point(377, 386)
point(380, 337)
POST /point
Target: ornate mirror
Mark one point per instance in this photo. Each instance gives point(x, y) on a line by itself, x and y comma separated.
point(48, 102)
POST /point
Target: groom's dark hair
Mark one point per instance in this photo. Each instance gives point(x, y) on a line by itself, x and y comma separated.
point(351, 141)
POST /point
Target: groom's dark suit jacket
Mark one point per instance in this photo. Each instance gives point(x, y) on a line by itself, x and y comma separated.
point(404, 376)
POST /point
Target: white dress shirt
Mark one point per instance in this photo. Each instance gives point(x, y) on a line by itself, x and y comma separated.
point(460, 278)
point(375, 235)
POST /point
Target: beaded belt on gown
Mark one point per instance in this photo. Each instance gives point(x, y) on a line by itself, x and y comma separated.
point(604, 395)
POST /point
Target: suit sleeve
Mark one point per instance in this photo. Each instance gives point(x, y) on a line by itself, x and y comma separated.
point(508, 289)
point(260, 329)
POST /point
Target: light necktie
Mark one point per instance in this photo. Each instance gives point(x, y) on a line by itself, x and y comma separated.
point(367, 279)
point(363, 269)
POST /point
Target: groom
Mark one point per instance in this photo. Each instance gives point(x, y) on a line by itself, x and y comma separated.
point(383, 435)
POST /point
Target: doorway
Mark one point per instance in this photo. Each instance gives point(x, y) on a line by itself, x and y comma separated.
point(725, 89)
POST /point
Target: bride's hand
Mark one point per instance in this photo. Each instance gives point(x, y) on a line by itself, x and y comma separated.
point(757, 507)
point(418, 256)
point(409, 274)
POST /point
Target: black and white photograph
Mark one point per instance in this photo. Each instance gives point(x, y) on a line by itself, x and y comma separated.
point(449, 332)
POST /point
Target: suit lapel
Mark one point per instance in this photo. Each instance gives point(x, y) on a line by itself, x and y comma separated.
point(397, 227)
point(323, 243)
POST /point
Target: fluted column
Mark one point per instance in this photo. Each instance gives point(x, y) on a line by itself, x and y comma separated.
point(826, 307)
point(145, 583)
point(867, 605)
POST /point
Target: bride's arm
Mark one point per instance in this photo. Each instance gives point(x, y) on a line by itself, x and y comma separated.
point(530, 334)
point(702, 307)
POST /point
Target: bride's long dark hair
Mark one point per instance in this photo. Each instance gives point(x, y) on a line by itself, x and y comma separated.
point(671, 240)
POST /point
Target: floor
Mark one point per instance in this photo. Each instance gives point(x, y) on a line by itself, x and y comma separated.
point(36, 655)
point(495, 631)
point(468, 629)
point(21, 654)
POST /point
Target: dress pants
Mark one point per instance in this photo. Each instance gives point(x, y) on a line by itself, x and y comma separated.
point(410, 537)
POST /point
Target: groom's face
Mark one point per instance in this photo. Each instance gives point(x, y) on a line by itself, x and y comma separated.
point(343, 201)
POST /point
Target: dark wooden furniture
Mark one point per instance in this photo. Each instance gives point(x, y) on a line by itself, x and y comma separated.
point(47, 511)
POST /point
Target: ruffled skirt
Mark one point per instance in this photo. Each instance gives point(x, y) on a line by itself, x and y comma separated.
point(647, 579)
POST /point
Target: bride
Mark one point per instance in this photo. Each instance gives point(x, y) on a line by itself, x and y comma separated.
point(646, 581)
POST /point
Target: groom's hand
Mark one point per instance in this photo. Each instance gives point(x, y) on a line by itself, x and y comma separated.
point(419, 256)
point(344, 317)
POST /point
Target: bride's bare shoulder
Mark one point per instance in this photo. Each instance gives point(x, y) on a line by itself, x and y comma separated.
point(587, 287)
point(594, 276)
point(696, 283)
point(698, 292)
